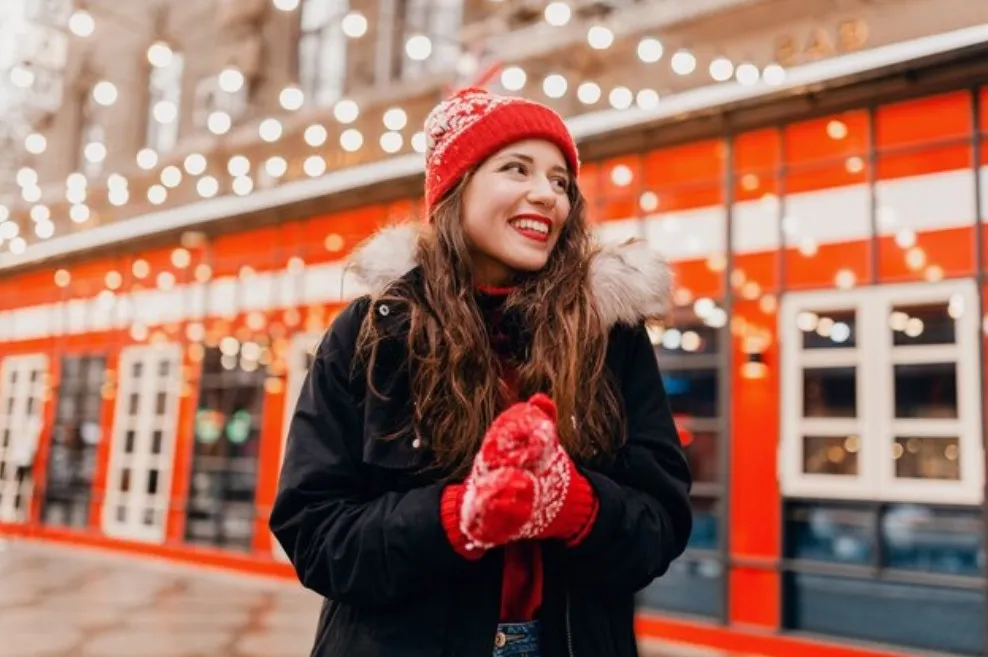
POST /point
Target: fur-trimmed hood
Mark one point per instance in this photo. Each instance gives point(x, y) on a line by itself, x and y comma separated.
point(629, 281)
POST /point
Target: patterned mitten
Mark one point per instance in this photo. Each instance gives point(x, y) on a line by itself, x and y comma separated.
point(565, 504)
point(499, 493)
point(524, 484)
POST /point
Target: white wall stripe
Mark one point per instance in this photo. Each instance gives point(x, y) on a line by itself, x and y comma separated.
point(829, 216)
point(614, 232)
point(983, 174)
point(939, 200)
point(689, 234)
point(756, 225)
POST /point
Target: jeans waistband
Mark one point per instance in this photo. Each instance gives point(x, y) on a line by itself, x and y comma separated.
point(517, 640)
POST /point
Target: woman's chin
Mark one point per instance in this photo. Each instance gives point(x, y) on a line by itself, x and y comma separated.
point(526, 266)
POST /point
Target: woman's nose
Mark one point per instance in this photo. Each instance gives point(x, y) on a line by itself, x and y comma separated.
point(542, 193)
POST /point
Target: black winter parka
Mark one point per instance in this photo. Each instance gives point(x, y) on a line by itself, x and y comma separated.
point(361, 524)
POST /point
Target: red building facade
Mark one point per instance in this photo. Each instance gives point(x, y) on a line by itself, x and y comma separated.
point(826, 364)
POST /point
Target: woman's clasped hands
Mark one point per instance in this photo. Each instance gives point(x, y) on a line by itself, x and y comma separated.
point(521, 480)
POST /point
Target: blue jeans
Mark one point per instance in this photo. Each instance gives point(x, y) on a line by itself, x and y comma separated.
point(517, 640)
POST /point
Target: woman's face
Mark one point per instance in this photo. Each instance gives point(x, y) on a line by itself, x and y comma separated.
point(513, 210)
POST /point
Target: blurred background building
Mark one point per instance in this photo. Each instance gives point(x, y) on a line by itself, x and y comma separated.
point(181, 184)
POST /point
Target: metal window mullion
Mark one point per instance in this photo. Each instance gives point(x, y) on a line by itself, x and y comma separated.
point(874, 253)
point(979, 258)
point(725, 380)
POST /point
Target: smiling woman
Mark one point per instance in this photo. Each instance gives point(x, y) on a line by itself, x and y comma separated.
point(483, 459)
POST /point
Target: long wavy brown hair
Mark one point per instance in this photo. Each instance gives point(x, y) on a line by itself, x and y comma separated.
point(454, 379)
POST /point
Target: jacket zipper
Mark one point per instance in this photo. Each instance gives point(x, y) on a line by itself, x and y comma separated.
point(569, 628)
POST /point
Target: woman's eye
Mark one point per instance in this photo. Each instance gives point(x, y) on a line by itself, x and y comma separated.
point(515, 166)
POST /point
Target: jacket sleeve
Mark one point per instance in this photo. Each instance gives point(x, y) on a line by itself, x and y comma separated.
point(343, 544)
point(644, 517)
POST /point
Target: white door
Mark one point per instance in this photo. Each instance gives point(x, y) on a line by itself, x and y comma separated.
point(22, 383)
point(142, 452)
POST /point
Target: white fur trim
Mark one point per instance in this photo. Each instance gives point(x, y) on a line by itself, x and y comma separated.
point(630, 281)
point(386, 256)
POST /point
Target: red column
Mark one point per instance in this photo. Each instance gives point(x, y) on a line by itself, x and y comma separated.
point(755, 497)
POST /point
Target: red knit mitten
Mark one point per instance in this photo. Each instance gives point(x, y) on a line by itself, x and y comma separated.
point(523, 484)
point(565, 504)
point(519, 437)
point(499, 493)
point(496, 505)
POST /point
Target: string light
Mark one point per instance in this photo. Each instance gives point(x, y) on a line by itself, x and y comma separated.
point(600, 37)
point(105, 93)
point(81, 23)
point(650, 50)
point(346, 111)
point(418, 48)
point(354, 24)
point(557, 14)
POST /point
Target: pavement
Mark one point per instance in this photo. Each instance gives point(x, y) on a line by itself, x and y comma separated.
point(62, 601)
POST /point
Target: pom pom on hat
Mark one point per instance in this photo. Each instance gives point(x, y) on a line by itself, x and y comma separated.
point(473, 124)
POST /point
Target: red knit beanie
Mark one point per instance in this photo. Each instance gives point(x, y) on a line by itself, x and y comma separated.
point(473, 124)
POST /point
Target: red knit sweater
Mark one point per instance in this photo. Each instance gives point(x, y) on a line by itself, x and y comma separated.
point(521, 588)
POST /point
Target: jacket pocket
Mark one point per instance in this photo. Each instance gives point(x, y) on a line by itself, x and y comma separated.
point(389, 441)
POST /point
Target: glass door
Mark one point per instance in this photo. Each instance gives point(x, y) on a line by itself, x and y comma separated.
point(75, 438)
point(227, 435)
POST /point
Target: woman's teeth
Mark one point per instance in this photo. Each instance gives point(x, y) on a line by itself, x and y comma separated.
point(531, 224)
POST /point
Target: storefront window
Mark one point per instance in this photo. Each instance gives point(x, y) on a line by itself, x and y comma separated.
point(689, 354)
point(617, 213)
point(682, 201)
point(925, 188)
point(756, 213)
point(882, 465)
point(826, 223)
point(880, 396)
point(982, 172)
point(76, 435)
point(983, 112)
point(902, 574)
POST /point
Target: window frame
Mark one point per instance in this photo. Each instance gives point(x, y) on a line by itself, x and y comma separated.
point(164, 83)
point(434, 19)
point(875, 424)
point(313, 78)
point(90, 130)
